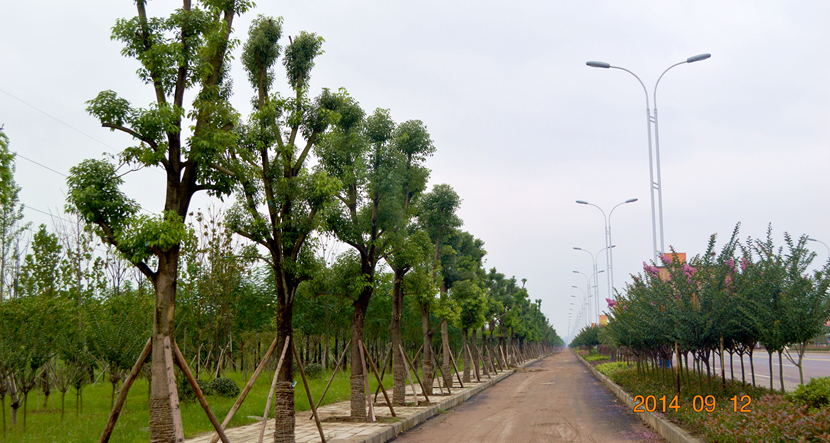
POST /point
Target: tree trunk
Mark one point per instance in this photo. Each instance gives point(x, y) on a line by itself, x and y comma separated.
point(466, 376)
point(780, 370)
point(161, 411)
point(358, 392)
point(427, 350)
point(284, 390)
point(446, 363)
point(476, 357)
point(398, 369)
point(771, 375)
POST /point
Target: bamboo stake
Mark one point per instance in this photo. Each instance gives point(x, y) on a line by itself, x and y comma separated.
point(122, 394)
point(336, 366)
point(172, 392)
point(247, 389)
point(271, 393)
point(380, 380)
point(308, 393)
point(178, 358)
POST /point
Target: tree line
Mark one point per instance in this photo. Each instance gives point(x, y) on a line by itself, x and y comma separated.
point(303, 174)
point(748, 294)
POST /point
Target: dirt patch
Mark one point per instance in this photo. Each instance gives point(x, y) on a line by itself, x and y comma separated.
point(532, 370)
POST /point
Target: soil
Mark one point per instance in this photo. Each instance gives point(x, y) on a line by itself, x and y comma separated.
point(556, 399)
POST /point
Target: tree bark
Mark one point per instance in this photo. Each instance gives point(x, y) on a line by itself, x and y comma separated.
point(467, 362)
point(161, 411)
point(358, 393)
point(398, 371)
point(446, 364)
point(427, 357)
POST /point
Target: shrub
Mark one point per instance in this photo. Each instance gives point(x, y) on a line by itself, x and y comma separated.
point(224, 387)
point(609, 369)
point(815, 394)
point(595, 357)
point(314, 371)
point(186, 393)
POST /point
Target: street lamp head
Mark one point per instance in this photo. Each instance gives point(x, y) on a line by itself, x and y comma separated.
point(576, 272)
point(574, 287)
point(582, 202)
point(812, 239)
point(697, 58)
point(578, 249)
point(600, 272)
point(632, 200)
point(598, 65)
point(612, 246)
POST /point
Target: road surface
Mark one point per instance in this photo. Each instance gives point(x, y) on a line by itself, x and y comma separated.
point(556, 399)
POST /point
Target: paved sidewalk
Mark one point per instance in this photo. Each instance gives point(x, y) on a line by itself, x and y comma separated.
point(385, 429)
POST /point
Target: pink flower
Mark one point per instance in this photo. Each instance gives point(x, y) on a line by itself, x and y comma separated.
point(731, 264)
point(744, 264)
point(610, 302)
point(650, 269)
point(666, 258)
point(728, 281)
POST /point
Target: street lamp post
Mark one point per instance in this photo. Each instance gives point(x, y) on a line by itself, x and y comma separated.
point(596, 273)
point(609, 255)
point(819, 241)
point(654, 185)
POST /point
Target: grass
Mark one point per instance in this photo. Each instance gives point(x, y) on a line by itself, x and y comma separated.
point(44, 426)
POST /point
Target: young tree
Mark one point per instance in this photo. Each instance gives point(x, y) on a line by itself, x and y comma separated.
point(188, 50)
point(11, 227)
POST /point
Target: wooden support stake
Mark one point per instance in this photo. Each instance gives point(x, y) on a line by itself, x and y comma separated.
point(336, 366)
point(483, 361)
point(371, 416)
point(503, 357)
point(409, 376)
point(271, 393)
point(380, 380)
point(247, 389)
point(182, 364)
point(173, 393)
point(452, 359)
point(437, 367)
point(308, 393)
point(125, 388)
point(415, 371)
point(386, 362)
point(473, 364)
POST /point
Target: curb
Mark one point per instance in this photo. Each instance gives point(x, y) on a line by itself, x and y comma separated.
point(667, 429)
point(395, 429)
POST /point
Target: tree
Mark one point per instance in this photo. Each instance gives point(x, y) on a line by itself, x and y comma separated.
point(410, 247)
point(281, 201)
point(360, 151)
point(187, 50)
point(40, 274)
point(11, 228)
point(438, 217)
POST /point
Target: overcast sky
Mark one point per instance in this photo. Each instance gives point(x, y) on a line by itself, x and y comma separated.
point(522, 126)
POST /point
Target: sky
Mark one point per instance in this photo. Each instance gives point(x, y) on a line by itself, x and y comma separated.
point(523, 128)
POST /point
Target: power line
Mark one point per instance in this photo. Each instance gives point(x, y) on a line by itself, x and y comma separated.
point(59, 121)
point(39, 164)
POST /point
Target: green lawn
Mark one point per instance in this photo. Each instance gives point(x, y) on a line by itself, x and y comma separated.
point(133, 424)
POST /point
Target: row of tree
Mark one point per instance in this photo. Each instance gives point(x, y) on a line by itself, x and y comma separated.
point(729, 301)
point(300, 169)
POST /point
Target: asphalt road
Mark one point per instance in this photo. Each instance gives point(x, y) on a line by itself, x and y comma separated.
point(815, 364)
point(554, 400)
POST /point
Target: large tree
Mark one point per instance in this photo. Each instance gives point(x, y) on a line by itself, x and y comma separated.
point(189, 50)
point(281, 201)
point(360, 151)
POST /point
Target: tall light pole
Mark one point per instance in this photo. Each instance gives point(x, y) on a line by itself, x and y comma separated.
point(825, 244)
point(654, 185)
point(609, 255)
point(596, 273)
